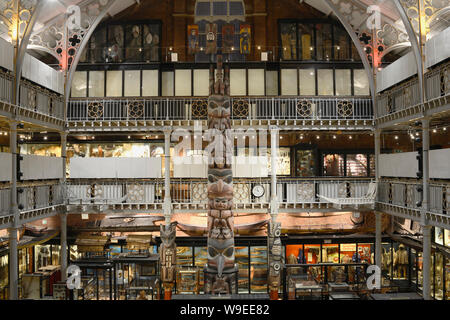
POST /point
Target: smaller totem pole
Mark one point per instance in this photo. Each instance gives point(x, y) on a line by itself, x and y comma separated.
point(168, 258)
point(275, 258)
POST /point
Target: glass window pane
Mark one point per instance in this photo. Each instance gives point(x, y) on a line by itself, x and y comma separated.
point(372, 165)
point(324, 41)
point(343, 82)
point(330, 253)
point(258, 269)
point(341, 44)
point(152, 35)
point(132, 83)
point(325, 82)
point(356, 165)
point(333, 165)
point(242, 259)
point(114, 52)
point(238, 82)
point(361, 82)
point(256, 82)
point(201, 83)
point(184, 256)
point(289, 41)
point(167, 83)
point(306, 41)
point(150, 83)
point(98, 49)
point(133, 45)
point(96, 84)
point(183, 83)
point(289, 84)
point(312, 253)
point(306, 163)
point(79, 84)
point(114, 83)
point(307, 82)
point(271, 83)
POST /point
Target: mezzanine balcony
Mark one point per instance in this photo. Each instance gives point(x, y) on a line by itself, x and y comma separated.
point(154, 113)
point(36, 105)
point(402, 102)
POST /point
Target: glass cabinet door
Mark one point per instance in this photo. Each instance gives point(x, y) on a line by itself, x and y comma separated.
point(242, 259)
point(439, 276)
point(201, 258)
point(258, 269)
point(184, 256)
point(305, 165)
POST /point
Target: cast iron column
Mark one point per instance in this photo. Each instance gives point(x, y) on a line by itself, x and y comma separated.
point(63, 215)
point(167, 198)
point(425, 207)
point(13, 258)
point(378, 215)
point(274, 242)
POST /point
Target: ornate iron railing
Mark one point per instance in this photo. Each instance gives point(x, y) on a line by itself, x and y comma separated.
point(404, 193)
point(188, 191)
point(32, 97)
point(34, 196)
point(243, 108)
point(407, 94)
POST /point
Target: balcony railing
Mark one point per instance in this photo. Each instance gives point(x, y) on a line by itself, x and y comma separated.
point(243, 108)
point(32, 97)
point(407, 94)
point(183, 191)
point(404, 194)
point(33, 197)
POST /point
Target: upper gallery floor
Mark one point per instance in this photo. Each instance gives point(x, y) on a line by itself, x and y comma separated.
point(314, 54)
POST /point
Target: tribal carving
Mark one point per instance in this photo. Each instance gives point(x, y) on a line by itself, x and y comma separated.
point(220, 272)
point(275, 257)
point(168, 254)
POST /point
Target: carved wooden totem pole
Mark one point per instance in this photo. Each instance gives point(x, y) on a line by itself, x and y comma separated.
point(168, 258)
point(275, 258)
point(220, 271)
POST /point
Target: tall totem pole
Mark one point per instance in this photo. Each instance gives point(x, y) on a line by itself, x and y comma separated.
point(220, 271)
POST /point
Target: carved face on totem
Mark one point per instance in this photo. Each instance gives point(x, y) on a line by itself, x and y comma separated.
point(219, 113)
point(221, 255)
point(168, 234)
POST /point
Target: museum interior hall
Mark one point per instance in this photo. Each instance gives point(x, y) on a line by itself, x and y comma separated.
point(247, 149)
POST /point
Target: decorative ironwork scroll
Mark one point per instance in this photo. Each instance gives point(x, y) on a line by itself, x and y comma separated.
point(220, 271)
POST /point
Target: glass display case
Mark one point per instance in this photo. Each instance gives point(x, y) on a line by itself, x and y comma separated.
point(283, 161)
point(330, 253)
point(188, 280)
point(4, 277)
point(356, 165)
point(201, 258)
point(333, 165)
point(184, 256)
point(400, 261)
point(242, 260)
point(45, 150)
point(438, 278)
point(312, 253)
point(258, 269)
point(305, 163)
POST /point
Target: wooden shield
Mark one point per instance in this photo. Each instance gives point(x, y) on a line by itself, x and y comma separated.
point(245, 39)
point(193, 39)
point(227, 38)
point(211, 38)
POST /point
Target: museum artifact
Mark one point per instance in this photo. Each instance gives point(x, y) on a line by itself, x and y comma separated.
point(168, 257)
point(220, 271)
